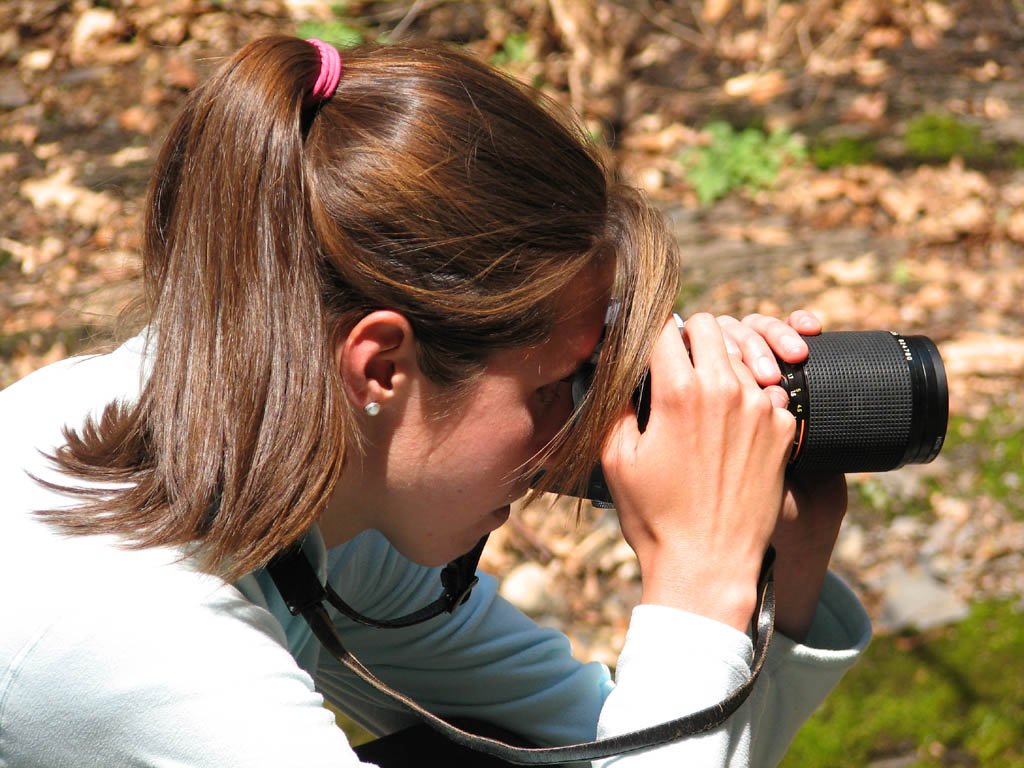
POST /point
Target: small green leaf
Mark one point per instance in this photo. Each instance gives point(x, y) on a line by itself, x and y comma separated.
point(515, 49)
point(747, 159)
point(337, 33)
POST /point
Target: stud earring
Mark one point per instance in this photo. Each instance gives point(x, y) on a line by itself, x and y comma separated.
point(372, 409)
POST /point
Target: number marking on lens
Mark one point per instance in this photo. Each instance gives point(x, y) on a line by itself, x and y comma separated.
point(906, 349)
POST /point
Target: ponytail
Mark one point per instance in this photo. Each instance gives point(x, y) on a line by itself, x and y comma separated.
point(242, 391)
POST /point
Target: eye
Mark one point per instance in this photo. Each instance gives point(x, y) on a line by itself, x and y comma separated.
point(549, 393)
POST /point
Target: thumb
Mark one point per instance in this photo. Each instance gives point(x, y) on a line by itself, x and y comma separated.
point(622, 441)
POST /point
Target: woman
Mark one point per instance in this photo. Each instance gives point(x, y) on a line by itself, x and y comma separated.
point(367, 285)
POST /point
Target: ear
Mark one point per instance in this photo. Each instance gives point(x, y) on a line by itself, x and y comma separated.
point(377, 359)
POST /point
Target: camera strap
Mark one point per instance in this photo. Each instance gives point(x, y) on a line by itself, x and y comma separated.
point(304, 595)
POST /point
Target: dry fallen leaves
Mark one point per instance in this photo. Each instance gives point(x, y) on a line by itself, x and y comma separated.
point(78, 203)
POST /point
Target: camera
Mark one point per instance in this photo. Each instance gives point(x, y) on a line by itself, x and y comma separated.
point(864, 401)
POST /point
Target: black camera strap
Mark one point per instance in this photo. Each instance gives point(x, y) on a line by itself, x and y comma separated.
point(304, 595)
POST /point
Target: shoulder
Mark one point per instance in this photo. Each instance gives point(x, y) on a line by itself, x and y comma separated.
point(81, 378)
point(35, 409)
point(145, 656)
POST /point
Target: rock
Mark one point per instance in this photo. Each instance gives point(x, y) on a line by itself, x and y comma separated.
point(8, 42)
point(12, 93)
point(913, 599)
point(92, 28)
point(1015, 226)
point(851, 544)
point(37, 61)
point(527, 588)
point(983, 354)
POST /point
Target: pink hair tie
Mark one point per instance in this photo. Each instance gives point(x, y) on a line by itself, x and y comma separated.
point(330, 70)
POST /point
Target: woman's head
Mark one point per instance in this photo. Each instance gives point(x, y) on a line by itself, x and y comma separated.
point(428, 185)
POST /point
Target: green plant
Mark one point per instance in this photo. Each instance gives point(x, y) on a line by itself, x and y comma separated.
point(938, 137)
point(842, 151)
point(922, 699)
point(337, 32)
point(872, 499)
point(993, 446)
point(354, 732)
point(514, 50)
point(733, 159)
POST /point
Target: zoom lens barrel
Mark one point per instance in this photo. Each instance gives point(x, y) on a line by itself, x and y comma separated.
point(864, 401)
point(867, 401)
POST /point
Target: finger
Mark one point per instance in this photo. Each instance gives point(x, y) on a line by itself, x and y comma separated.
point(753, 348)
point(707, 342)
point(805, 322)
point(782, 338)
point(733, 332)
point(670, 351)
point(778, 396)
point(622, 438)
point(669, 354)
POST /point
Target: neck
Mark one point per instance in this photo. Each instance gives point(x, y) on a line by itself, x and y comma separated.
point(349, 512)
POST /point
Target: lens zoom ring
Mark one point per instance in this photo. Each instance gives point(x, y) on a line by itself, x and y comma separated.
point(860, 402)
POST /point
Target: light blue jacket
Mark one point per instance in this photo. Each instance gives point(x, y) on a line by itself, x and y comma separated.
point(111, 657)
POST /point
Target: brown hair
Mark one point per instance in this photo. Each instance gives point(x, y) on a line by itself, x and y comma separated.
point(428, 184)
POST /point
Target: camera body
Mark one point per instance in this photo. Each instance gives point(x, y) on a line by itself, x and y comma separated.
point(864, 401)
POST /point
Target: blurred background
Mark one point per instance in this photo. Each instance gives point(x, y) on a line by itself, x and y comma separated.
point(861, 158)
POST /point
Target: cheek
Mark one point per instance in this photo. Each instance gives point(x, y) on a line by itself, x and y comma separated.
point(505, 436)
point(513, 437)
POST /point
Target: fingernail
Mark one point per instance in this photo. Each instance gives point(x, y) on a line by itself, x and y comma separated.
point(765, 368)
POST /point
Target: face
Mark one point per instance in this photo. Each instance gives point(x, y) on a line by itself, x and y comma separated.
point(442, 482)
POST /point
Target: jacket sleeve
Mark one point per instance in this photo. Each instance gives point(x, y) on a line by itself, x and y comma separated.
point(674, 663)
point(490, 662)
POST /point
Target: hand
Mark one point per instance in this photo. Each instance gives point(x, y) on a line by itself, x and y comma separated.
point(814, 506)
point(812, 513)
point(699, 492)
point(758, 339)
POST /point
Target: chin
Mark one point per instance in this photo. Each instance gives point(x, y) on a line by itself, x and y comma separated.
point(441, 548)
point(433, 560)
point(429, 558)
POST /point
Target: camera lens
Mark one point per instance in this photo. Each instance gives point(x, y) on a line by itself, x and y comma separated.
point(867, 401)
point(864, 401)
